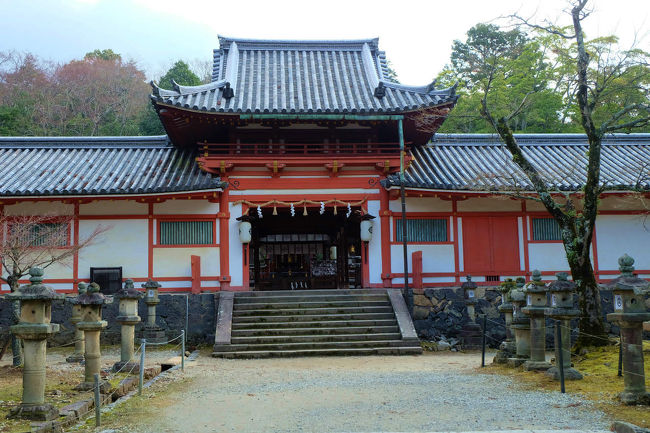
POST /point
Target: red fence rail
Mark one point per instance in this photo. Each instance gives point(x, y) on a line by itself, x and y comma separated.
point(300, 149)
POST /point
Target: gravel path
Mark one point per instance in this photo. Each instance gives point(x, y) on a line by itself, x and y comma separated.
point(433, 392)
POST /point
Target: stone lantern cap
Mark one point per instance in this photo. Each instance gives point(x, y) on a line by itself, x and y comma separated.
point(506, 288)
point(562, 284)
point(36, 290)
point(129, 291)
point(469, 289)
point(81, 289)
point(93, 296)
point(151, 296)
point(519, 300)
point(537, 285)
point(627, 281)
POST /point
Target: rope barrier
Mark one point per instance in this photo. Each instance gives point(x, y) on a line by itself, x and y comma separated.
point(166, 342)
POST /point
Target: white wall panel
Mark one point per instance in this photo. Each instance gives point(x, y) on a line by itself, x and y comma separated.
point(171, 207)
point(435, 258)
point(176, 262)
point(125, 244)
point(374, 246)
point(114, 207)
point(235, 247)
point(620, 234)
point(421, 204)
point(39, 208)
point(547, 257)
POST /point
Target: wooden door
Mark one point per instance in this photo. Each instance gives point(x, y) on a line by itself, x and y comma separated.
point(491, 245)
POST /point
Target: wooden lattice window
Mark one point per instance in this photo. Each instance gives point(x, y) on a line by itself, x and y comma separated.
point(546, 229)
point(42, 234)
point(423, 230)
point(186, 232)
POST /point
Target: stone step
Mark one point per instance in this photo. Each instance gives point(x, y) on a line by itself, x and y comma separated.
point(310, 292)
point(310, 298)
point(309, 305)
point(325, 318)
point(312, 311)
point(302, 330)
point(314, 324)
point(310, 338)
point(407, 350)
point(311, 345)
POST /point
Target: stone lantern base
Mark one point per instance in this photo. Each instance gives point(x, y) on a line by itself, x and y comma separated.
point(634, 398)
point(154, 335)
point(472, 335)
point(537, 365)
point(126, 367)
point(35, 412)
point(104, 386)
point(569, 373)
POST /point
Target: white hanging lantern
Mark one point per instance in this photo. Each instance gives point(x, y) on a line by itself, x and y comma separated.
point(333, 252)
point(245, 232)
point(366, 230)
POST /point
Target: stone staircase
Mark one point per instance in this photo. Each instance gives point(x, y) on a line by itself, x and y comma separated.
point(314, 323)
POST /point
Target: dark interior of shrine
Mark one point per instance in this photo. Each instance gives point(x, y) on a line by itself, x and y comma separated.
point(316, 251)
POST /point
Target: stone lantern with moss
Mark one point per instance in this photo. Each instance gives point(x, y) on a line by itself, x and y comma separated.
point(78, 355)
point(630, 312)
point(92, 324)
point(152, 332)
point(520, 326)
point(128, 318)
point(33, 328)
point(562, 311)
point(507, 348)
point(471, 332)
point(536, 308)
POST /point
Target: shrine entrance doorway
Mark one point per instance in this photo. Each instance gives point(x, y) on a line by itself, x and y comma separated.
point(305, 252)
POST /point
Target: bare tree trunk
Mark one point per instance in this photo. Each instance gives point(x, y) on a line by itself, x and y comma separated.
point(591, 324)
point(16, 343)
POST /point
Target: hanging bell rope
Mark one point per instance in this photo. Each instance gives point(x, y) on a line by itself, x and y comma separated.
point(303, 203)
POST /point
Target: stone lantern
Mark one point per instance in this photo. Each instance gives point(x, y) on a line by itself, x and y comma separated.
point(152, 332)
point(78, 355)
point(562, 311)
point(33, 328)
point(92, 324)
point(536, 308)
point(127, 318)
point(630, 313)
point(507, 348)
point(520, 327)
point(471, 332)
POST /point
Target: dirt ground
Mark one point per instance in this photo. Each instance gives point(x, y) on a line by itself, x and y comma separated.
point(440, 391)
point(61, 378)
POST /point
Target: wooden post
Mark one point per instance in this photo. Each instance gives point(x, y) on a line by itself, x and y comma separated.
point(416, 260)
point(196, 273)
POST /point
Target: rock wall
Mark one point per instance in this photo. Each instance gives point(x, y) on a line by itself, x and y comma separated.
point(170, 315)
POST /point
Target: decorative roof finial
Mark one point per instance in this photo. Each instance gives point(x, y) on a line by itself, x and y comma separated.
point(626, 265)
point(562, 276)
point(93, 288)
point(537, 275)
point(82, 288)
point(36, 275)
point(380, 90)
point(228, 91)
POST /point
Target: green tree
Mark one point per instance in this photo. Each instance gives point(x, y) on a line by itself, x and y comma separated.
point(108, 55)
point(601, 93)
point(181, 73)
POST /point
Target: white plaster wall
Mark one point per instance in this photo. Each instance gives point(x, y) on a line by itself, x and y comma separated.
point(176, 262)
point(374, 246)
point(114, 207)
point(489, 204)
point(171, 207)
point(435, 258)
point(547, 257)
point(428, 280)
point(235, 247)
point(424, 204)
point(461, 258)
point(619, 234)
point(59, 270)
point(39, 208)
point(124, 244)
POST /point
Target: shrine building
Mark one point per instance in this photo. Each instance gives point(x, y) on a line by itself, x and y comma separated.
point(282, 173)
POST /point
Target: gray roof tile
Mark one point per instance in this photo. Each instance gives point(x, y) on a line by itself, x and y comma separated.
point(301, 77)
point(480, 162)
point(98, 166)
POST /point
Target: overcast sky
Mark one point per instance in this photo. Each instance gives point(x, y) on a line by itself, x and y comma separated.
point(416, 35)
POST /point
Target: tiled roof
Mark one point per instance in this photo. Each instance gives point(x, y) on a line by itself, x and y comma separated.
point(480, 162)
point(302, 77)
point(36, 166)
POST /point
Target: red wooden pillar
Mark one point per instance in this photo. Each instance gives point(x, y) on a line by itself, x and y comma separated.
point(384, 218)
point(416, 264)
point(195, 262)
point(224, 240)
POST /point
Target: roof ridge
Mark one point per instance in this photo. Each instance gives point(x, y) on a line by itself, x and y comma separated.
point(151, 141)
point(225, 40)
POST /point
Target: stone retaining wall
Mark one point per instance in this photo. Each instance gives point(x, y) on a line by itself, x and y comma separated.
point(170, 316)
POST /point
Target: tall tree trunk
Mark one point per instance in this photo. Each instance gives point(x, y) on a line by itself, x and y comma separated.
point(591, 324)
point(16, 343)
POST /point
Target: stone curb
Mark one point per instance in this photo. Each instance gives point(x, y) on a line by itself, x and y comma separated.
point(626, 427)
point(75, 412)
